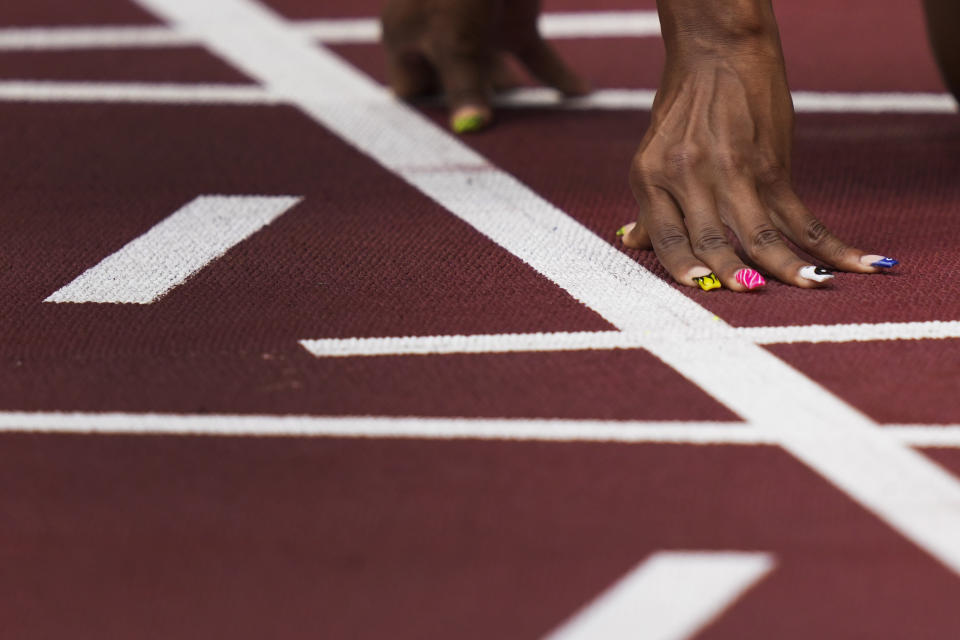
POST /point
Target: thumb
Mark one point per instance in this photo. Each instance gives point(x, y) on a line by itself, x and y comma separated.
point(634, 236)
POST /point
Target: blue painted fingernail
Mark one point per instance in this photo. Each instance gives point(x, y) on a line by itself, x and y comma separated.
point(879, 261)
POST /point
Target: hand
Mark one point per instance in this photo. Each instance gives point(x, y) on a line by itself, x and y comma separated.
point(458, 46)
point(717, 156)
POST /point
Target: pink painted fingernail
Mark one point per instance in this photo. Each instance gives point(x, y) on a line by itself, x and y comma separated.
point(749, 278)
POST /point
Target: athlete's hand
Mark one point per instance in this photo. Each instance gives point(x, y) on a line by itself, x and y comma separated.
point(717, 157)
point(458, 47)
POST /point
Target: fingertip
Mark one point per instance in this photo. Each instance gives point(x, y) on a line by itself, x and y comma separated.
point(470, 118)
point(634, 236)
point(747, 279)
point(876, 262)
point(810, 276)
point(702, 277)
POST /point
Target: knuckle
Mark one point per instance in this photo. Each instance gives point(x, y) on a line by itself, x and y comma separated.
point(669, 237)
point(815, 232)
point(771, 172)
point(763, 237)
point(642, 171)
point(729, 162)
point(680, 159)
point(711, 239)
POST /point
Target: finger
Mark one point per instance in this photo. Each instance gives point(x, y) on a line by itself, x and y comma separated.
point(548, 67)
point(634, 236)
point(664, 223)
point(811, 235)
point(749, 218)
point(502, 76)
point(465, 79)
point(411, 75)
point(708, 239)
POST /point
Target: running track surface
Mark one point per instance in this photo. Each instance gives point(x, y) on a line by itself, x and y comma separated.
point(221, 459)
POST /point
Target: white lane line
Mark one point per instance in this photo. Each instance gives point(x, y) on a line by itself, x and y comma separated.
point(548, 430)
point(491, 343)
point(601, 24)
point(603, 99)
point(174, 249)
point(928, 330)
point(70, 38)
point(604, 340)
point(670, 596)
point(907, 490)
point(803, 101)
point(555, 26)
point(669, 432)
point(925, 436)
point(53, 91)
point(344, 30)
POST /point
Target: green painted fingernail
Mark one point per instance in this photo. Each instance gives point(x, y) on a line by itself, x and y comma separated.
point(467, 124)
point(621, 231)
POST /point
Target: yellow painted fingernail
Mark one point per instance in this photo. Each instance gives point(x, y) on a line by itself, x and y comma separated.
point(467, 124)
point(621, 231)
point(708, 282)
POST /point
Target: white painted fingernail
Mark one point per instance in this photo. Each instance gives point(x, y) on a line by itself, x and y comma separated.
point(817, 274)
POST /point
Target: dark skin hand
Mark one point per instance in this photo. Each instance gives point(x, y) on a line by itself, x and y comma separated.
point(717, 154)
point(459, 47)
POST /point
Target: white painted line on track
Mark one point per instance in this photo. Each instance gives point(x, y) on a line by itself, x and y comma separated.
point(904, 488)
point(602, 99)
point(803, 101)
point(670, 596)
point(592, 24)
point(545, 429)
point(491, 343)
point(174, 249)
point(704, 433)
point(194, 94)
point(925, 436)
point(604, 340)
point(865, 332)
point(78, 38)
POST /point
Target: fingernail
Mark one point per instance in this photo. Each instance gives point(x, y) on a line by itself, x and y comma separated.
point(708, 282)
point(817, 274)
point(749, 278)
point(625, 229)
point(879, 261)
point(468, 119)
